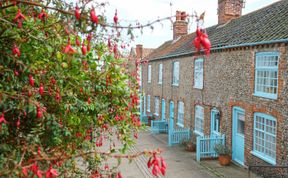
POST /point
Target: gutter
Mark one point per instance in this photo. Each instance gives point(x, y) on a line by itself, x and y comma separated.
point(224, 47)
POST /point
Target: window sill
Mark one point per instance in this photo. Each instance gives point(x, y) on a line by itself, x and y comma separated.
point(199, 88)
point(159, 83)
point(175, 85)
point(198, 133)
point(255, 153)
point(264, 95)
point(180, 125)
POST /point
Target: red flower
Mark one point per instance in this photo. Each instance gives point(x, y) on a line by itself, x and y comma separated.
point(25, 172)
point(39, 112)
point(77, 13)
point(34, 168)
point(89, 37)
point(119, 175)
point(88, 46)
point(89, 100)
point(19, 18)
point(42, 16)
point(50, 173)
point(18, 123)
point(31, 80)
point(93, 16)
point(156, 170)
point(78, 42)
point(115, 17)
point(16, 50)
point(84, 49)
point(41, 89)
point(2, 119)
point(68, 49)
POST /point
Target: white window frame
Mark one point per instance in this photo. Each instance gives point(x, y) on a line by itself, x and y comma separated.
point(160, 76)
point(148, 103)
point(180, 114)
point(149, 73)
point(265, 129)
point(199, 119)
point(176, 73)
point(264, 69)
point(198, 73)
point(156, 105)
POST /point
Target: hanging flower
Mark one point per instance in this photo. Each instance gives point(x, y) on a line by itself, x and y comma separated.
point(16, 50)
point(31, 80)
point(50, 173)
point(19, 18)
point(77, 13)
point(42, 16)
point(68, 49)
point(2, 119)
point(93, 16)
point(115, 17)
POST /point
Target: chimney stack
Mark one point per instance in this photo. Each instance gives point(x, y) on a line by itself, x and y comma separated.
point(139, 51)
point(229, 10)
point(180, 26)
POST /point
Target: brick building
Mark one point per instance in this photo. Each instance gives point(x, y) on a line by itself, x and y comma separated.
point(240, 90)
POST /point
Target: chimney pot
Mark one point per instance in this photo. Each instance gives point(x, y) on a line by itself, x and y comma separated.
point(180, 26)
point(229, 10)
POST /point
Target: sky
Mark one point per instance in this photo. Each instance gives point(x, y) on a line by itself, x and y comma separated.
point(131, 11)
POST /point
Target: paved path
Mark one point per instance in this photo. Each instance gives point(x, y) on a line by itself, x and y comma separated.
point(181, 164)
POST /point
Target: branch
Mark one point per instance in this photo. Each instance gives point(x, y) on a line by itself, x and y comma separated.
point(102, 24)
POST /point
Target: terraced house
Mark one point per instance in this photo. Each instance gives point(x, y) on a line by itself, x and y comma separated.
point(240, 90)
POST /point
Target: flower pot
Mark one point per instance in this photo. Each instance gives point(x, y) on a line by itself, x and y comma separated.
point(190, 147)
point(224, 160)
point(149, 121)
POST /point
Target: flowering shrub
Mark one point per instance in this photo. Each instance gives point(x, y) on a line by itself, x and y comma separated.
point(64, 94)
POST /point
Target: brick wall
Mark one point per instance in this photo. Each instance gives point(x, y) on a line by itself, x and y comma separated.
point(228, 82)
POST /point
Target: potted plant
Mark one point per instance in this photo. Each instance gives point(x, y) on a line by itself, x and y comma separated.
point(150, 118)
point(224, 154)
point(189, 145)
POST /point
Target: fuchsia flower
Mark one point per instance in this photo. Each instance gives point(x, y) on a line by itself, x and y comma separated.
point(84, 49)
point(159, 165)
point(119, 175)
point(2, 119)
point(42, 16)
point(41, 89)
point(39, 112)
point(77, 41)
point(77, 13)
point(50, 173)
point(19, 18)
point(115, 17)
point(31, 80)
point(68, 49)
point(16, 50)
point(93, 16)
point(25, 172)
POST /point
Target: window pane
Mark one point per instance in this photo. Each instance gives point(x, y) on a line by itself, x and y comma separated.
point(198, 73)
point(265, 135)
point(266, 73)
point(199, 119)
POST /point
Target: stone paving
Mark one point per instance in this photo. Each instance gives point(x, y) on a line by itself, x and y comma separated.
point(181, 163)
